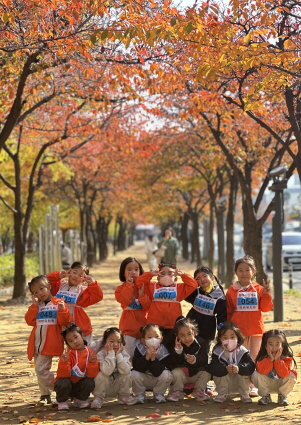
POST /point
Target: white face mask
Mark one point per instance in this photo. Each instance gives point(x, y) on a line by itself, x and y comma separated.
point(153, 342)
point(229, 344)
point(166, 280)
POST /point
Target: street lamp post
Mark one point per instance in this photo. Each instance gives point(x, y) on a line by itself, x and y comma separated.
point(278, 187)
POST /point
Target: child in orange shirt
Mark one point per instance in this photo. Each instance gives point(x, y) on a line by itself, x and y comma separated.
point(273, 368)
point(76, 369)
point(166, 296)
point(69, 284)
point(47, 315)
point(133, 302)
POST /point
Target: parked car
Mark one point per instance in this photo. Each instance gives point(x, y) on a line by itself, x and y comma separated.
point(291, 249)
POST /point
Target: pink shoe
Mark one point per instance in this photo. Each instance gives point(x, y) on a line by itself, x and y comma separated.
point(80, 403)
point(176, 396)
point(200, 394)
point(220, 398)
point(127, 399)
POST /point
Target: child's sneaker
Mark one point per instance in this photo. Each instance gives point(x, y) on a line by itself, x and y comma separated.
point(96, 403)
point(266, 399)
point(282, 401)
point(200, 394)
point(80, 403)
point(220, 398)
point(140, 398)
point(127, 399)
point(246, 398)
point(45, 399)
point(64, 405)
point(176, 396)
point(253, 391)
point(159, 398)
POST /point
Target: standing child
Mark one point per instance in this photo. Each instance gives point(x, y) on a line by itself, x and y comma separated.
point(114, 378)
point(273, 368)
point(149, 365)
point(47, 315)
point(209, 304)
point(246, 300)
point(188, 361)
point(231, 364)
point(76, 369)
point(69, 284)
point(166, 296)
point(133, 302)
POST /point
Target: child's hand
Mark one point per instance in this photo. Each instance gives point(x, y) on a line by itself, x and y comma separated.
point(109, 346)
point(266, 287)
point(278, 354)
point(63, 274)
point(269, 353)
point(61, 304)
point(35, 300)
point(155, 272)
point(92, 357)
point(148, 354)
point(141, 291)
point(178, 272)
point(89, 279)
point(120, 348)
point(65, 355)
point(190, 358)
point(232, 368)
point(152, 353)
point(178, 344)
point(130, 279)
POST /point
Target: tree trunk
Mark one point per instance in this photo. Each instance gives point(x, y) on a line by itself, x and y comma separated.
point(211, 238)
point(230, 231)
point(196, 238)
point(19, 273)
point(184, 235)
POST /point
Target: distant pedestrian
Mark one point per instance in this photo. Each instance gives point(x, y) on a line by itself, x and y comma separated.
point(171, 244)
point(66, 257)
point(151, 246)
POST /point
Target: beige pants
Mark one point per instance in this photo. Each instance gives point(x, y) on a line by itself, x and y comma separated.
point(143, 381)
point(180, 379)
point(253, 343)
point(45, 378)
point(267, 385)
point(111, 386)
point(130, 345)
point(232, 383)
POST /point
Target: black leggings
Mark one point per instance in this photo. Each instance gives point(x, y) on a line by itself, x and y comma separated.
point(81, 389)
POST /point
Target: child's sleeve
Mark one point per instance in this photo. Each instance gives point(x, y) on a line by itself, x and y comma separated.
point(202, 356)
point(264, 366)
point(107, 361)
point(221, 311)
point(139, 362)
point(64, 369)
point(283, 366)
point(187, 287)
point(31, 315)
point(124, 293)
point(91, 295)
point(216, 368)
point(92, 368)
point(55, 281)
point(145, 301)
point(123, 363)
point(265, 301)
point(230, 305)
point(190, 299)
point(246, 365)
point(143, 279)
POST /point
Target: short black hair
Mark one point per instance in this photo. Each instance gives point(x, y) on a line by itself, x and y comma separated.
point(222, 328)
point(79, 265)
point(42, 279)
point(72, 327)
point(123, 265)
point(182, 321)
point(144, 329)
point(110, 331)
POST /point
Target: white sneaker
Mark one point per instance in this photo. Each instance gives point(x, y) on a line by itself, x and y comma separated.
point(176, 396)
point(220, 398)
point(127, 399)
point(253, 391)
point(64, 405)
point(80, 403)
point(96, 403)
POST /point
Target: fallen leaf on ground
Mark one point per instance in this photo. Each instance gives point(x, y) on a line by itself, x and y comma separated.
point(154, 416)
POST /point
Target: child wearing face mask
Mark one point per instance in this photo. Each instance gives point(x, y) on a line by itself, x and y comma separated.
point(134, 303)
point(209, 304)
point(150, 365)
point(188, 362)
point(231, 364)
point(166, 295)
point(114, 378)
point(68, 285)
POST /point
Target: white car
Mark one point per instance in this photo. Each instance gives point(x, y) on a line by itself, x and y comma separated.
point(291, 249)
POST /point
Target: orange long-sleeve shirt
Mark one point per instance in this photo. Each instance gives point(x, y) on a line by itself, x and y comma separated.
point(165, 313)
point(249, 322)
point(281, 366)
point(131, 320)
point(65, 368)
point(50, 341)
point(88, 296)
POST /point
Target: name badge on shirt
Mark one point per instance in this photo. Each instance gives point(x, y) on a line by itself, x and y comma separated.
point(135, 305)
point(77, 372)
point(166, 294)
point(47, 315)
point(70, 297)
point(204, 305)
point(247, 301)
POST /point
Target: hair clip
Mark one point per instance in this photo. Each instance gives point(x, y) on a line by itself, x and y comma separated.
point(248, 257)
point(180, 320)
point(220, 325)
point(172, 266)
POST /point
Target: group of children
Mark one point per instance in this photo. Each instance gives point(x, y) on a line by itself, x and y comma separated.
point(155, 348)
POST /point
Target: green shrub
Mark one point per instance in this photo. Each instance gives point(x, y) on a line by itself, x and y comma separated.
point(7, 262)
